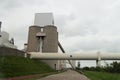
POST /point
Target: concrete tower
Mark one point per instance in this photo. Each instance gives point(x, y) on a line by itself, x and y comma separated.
point(43, 37)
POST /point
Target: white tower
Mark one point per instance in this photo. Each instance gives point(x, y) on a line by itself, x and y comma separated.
point(43, 19)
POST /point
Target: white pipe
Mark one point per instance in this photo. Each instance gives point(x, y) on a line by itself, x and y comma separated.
point(74, 56)
point(40, 44)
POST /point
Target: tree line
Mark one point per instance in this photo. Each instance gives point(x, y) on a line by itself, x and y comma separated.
point(113, 68)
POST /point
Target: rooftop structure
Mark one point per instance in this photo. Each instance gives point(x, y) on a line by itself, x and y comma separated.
point(43, 19)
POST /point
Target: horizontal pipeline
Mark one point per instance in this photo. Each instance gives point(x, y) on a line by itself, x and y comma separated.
point(74, 56)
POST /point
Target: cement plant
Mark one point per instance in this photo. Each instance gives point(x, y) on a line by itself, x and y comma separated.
point(43, 45)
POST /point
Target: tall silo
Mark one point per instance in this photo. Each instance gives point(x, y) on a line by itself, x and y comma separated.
point(50, 42)
point(33, 41)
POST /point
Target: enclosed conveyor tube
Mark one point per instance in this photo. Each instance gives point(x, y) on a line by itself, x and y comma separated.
point(75, 56)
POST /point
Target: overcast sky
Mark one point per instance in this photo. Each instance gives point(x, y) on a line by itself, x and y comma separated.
point(83, 25)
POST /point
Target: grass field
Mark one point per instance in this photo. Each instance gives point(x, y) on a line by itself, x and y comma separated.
point(11, 66)
point(92, 75)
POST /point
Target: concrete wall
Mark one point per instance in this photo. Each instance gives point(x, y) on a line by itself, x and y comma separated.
point(5, 51)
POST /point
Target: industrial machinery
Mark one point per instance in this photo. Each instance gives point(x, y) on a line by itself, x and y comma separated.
point(4, 39)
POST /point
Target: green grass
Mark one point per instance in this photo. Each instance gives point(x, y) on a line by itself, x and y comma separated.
point(101, 75)
point(11, 66)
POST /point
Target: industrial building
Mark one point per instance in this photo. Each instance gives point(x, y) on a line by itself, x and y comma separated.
point(4, 39)
point(43, 38)
point(43, 45)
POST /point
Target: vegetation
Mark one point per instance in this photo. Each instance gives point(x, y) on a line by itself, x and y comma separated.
point(11, 66)
point(112, 68)
point(93, 75)
point(109, 72)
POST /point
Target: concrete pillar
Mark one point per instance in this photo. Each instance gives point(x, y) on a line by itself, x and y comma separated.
point(98, 61)
point(50, 44)
point(78, 65)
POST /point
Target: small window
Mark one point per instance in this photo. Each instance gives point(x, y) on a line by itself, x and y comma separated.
point(41, 29)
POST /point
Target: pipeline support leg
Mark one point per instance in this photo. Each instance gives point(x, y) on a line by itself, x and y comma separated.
point(98, 61)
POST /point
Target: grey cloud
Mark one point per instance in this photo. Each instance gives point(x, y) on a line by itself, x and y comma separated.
point(92, 43)
point(9, 4)
point(62, 20)
point(77, 27)
point(83, 25)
